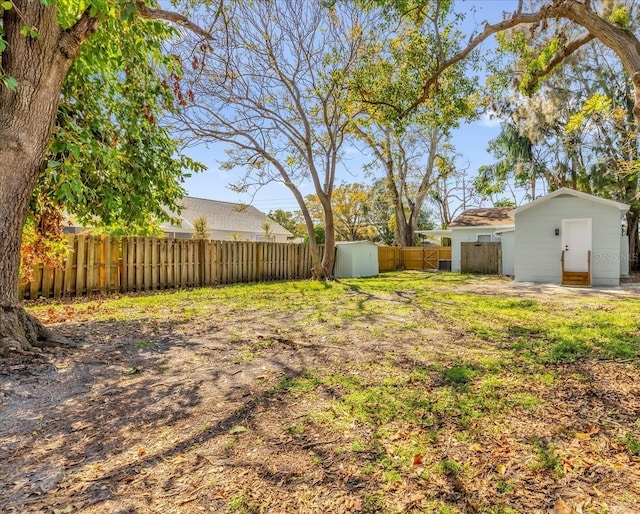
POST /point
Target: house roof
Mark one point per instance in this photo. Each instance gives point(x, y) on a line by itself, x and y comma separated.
point(225, 216)
point(565, 191)
point(483, 217)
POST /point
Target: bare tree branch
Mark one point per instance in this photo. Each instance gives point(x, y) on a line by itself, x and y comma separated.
point(145, 11)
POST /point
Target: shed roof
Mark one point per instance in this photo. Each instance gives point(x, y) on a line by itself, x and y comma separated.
point(565, 191)
point(483, 217)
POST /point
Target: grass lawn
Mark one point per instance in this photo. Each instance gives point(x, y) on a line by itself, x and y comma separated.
point(408, 392)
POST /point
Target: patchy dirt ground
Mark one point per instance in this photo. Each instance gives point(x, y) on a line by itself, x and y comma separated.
point(166, 417)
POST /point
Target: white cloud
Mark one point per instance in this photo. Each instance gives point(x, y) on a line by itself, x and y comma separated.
point(490, 119)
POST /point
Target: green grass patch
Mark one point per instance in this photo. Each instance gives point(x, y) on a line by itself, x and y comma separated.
point(459, 375)
point(632, 444)
point(467, 367)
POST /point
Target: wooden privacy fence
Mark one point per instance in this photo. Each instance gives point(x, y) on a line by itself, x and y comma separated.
point(412, 257)
point(483, 258)
point(108, 264)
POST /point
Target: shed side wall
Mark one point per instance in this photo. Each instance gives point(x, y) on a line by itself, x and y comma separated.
point(508, 252)
point(358, 259)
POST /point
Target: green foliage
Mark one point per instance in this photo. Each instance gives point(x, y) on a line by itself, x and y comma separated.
point(380, 213)
point(111, 161)
point(319, 234)
point(201, 228)
point(531, 82)
point(515, 159)
point(9, 82)
point(547, 456)
point(504, 202)
point(292, 221)
point(267, 232)
point(350, 211)
point(621, 17)
point(568, 351)
point(597, 103)
point(450, 467)
point(146, 226)
point(391, 76)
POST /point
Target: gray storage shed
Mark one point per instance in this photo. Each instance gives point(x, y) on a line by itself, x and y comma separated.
point(356, 259)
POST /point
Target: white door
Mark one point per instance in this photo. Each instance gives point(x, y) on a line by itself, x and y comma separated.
point(576, 243)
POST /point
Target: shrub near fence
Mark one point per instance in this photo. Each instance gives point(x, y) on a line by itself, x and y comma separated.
point(107, 264)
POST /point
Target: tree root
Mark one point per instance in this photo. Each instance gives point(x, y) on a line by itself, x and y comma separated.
point(21, 333)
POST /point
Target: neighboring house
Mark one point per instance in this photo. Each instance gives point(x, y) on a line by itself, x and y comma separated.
point(566, 237)
point(226, 222)
point(71, 226)
point(572, 238)
point(477, 225)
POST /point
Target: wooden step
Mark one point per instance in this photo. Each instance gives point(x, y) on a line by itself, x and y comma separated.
point(576, 278)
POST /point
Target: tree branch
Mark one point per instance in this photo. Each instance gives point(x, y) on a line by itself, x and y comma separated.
point(144, 11)
point(517, 19)
point(71, 39)
point(560, 56)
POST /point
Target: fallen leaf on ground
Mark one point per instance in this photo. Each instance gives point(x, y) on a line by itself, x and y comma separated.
point(562, 507)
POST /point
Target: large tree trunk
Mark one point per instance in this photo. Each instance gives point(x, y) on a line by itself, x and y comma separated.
point(27, 116)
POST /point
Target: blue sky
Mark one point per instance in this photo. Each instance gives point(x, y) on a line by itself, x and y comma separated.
point(470, 141)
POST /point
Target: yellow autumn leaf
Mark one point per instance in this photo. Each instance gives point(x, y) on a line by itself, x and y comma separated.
point(501, 469)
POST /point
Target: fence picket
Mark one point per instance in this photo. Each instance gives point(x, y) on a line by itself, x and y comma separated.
point(69, 272)
point(109, 264)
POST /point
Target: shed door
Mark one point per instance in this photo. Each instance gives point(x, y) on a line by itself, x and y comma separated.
point(576, 244)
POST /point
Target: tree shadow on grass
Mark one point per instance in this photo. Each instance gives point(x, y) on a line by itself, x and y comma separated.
point(76, 425)
point(109, 424)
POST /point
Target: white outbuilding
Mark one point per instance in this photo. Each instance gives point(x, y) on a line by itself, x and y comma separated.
point(571, 238)
point(356, 259)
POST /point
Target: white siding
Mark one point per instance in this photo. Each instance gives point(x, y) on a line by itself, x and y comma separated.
point(467, 235)
point(538, 250)
point(508, 252)
point(231, 235)
point(624, 256)
point(356, 259)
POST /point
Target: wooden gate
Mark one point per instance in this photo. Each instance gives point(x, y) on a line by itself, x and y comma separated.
point(419, 258)
point(485, 258)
